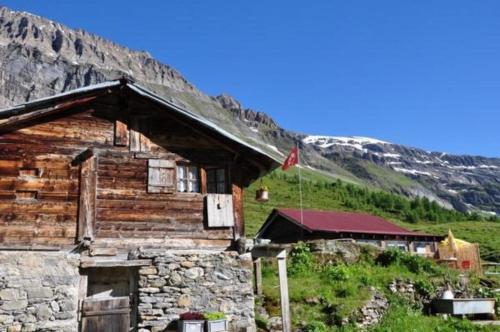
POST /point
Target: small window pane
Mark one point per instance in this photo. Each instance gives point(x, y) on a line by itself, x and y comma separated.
point(221, 176)
point(216, 181)
point(187, 178)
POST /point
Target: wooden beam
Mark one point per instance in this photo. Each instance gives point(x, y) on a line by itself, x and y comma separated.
point(87, 203)
point(272, 250)
point(203, 180)
point(102, 251)
point(258, 276)
point(45, 111)
point(89, 262)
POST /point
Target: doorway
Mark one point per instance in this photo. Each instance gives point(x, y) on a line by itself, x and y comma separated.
point(109, 299)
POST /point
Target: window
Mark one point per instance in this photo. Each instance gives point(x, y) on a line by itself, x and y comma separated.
point(161, 176)
point(216, 181)
point(188, 179)
point(403, 246)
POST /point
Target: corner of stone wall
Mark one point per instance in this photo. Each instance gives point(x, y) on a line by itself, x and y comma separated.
point(38, 291)
point(182, 281)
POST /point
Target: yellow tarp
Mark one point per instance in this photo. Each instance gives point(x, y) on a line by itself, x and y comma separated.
point(453, 243)
point(465, 254)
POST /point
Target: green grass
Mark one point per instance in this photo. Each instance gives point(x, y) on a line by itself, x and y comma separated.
point(315, 297)
point(327, 293)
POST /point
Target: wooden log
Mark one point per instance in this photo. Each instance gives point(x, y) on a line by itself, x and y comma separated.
point(258, 276)
point(87, 204)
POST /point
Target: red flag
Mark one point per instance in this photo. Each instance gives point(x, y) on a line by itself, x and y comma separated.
point(292, 159)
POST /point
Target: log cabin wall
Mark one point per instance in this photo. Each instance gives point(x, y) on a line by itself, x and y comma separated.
point(42, 174)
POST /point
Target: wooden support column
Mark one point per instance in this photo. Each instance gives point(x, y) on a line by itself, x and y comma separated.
point(87, 204)
point(237, 191)
point(285, 303)
point(258, 276)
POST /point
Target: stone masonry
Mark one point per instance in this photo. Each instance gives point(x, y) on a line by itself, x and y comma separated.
point(38, 291)
point(181, 281)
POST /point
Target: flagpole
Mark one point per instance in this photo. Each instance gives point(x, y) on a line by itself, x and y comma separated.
point(300, 190)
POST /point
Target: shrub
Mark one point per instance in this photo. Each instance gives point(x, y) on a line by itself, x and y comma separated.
point(337, 272)
point(424, 287)
point(389, 257)
point(315, 327)
point(413, 263)
point(301, 259)
point(214, 315)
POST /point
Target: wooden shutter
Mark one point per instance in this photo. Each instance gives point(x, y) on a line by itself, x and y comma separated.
point(139, 132)
point(121, 133)
point(161, 176)
point(220, 210)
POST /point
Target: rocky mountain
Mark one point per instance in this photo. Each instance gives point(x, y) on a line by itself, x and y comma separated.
point(39, 57)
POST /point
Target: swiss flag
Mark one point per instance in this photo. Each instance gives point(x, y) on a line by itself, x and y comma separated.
point(292, 159)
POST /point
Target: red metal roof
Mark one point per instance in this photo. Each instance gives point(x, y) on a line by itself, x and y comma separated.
point(345, 222)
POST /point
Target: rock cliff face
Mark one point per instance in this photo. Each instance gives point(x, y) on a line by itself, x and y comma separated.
point(39, 57)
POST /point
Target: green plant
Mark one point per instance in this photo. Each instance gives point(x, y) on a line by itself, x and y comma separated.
point(315, 327)
point(424, 287)
point(301, 260)
point(413, 263)
point(214, 315)
point(336, 272)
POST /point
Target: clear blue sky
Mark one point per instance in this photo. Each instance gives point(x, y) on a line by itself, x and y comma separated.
point(423, 73)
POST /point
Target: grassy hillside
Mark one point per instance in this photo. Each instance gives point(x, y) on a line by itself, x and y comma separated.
point(336, 292)
point(324, 193)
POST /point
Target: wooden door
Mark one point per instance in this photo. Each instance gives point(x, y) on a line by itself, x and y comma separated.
point(110, 315)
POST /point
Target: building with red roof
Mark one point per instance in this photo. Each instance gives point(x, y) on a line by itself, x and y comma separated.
point(290, 225)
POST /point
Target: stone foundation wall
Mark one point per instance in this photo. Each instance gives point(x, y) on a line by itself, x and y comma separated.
point(181, 281)
point(38, 291)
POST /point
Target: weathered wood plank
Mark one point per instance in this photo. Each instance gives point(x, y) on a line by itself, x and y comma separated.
point(220, 210)
point(121, 133)
point(87, 205)
point(44, 112)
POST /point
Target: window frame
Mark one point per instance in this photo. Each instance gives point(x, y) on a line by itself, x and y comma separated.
point(198, 179)
point(217, 182)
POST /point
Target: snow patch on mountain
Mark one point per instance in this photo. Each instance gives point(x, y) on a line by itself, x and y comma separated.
point(275, 149)
point(411, 171)
point(355, 141)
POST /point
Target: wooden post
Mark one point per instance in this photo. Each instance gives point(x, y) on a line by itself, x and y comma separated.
point(285, 304)
point(87, 205)
point(258, 276)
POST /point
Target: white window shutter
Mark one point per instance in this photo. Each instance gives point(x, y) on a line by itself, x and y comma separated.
point(220, 210)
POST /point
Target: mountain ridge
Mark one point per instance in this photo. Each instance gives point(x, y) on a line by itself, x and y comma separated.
point(41, 57)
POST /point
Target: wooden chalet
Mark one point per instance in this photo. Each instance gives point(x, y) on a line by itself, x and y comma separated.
point(115, 162)
point(103, 170)
point(290, 225)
